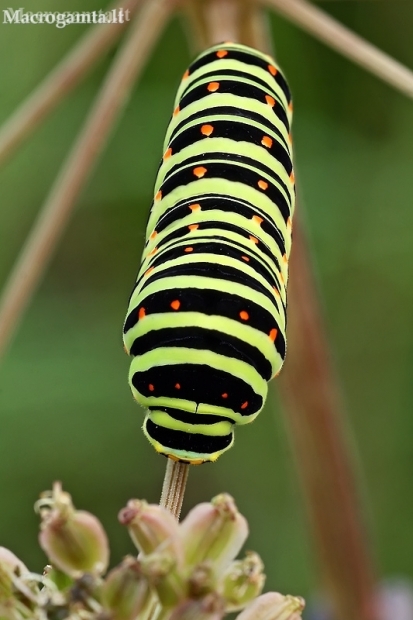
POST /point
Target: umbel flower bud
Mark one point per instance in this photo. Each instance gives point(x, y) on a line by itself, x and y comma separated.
point(211, 607)
point(73, 540)
point(10, 566)
point(148, 525)
point(125, 593)
point(18, 593)
point(273, 606)
point(162, 572)
point(155, 532)
point(12, 562)
point(243, 581)
point(215, 531)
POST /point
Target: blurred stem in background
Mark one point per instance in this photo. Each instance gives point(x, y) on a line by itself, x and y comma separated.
point(75, 171)
point(341, 39)
point(67, 74)
point(310, 394)
point(308, 383)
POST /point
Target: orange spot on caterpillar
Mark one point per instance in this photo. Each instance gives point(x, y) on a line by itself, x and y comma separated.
point(276, 291)
point(141, 313)
point(177, 386)
point(290, 138)
point(258, 220)
point(195, 207)
point(148, 271)
point(153, 235)
point(167, 153)
point(189, 250)
point(186, 75)
point(151, 387)
point(244, 315)
point(222, 53)
point(292, 177)
point(177, 110)
point(285, 259)
point(213, 87)
point(152, 252)
point(289, 223)
point(270, 100)
point(193, 227)
point(266, 141)
point(175, 304)
point(272, 70)
point(273, 334)
point(253, 239)
point(199, 171)
point(290, 106)
point(247, 260)
point(244, 405)
point(224, 395)
point(206, 130)
point(262, 184)
point(158, 195)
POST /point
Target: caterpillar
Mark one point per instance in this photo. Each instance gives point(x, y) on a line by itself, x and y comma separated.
point(206, 318)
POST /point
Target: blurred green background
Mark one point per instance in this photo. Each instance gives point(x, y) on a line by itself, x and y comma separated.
point(66, 411)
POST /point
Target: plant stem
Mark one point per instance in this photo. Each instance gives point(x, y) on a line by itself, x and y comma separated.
point(172, 496)
point(54, 215)
point(342, 40)
point(310, 393)
point(215, 21)
point(63, 78)
point(174, 485)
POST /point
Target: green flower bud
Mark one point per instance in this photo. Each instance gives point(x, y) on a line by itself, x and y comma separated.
point(273, 606)
point(6, 582)
point(243, 581)
point(73, 540)
point(150, 525)
point(162, 572)
point(125, 593)
point(215, 532)
point(8, 559)
point(201, 580)
point(18, 594)
point(57, 578)
point(211, 607)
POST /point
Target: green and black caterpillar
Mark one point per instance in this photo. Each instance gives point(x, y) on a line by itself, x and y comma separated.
point(206, 318)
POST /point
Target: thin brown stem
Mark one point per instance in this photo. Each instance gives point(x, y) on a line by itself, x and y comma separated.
point(64, 78)
point(325, 28)
point(172, 497)
point(310, 393)
point(222, 20)
point(174, 485)
point(54, 215)
point(214, 21)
